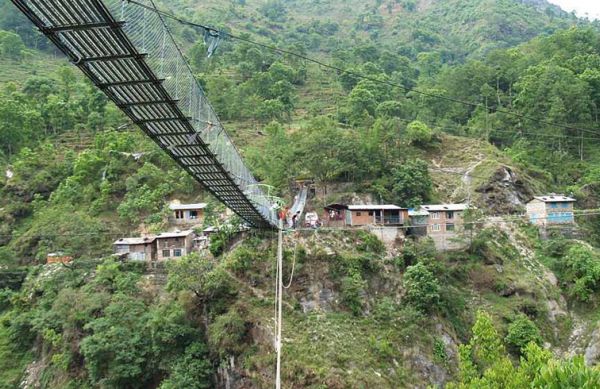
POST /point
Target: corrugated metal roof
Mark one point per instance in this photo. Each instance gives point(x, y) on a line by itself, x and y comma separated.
point(134, 241)
point(185, 207)
point(445, 207)
point(369, 207)
point(417, 212)
point(175, 234)
point(554, 198)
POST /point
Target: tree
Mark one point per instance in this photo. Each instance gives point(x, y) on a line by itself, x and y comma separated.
point(411, 182)
point(199, 275)
point(417, 133)
point(422, 287)
point(118, 348)
point(521, 332)
point(192, 370)
point(327, 152)
point(11, 45)
point(483, 363)
point(583, 271)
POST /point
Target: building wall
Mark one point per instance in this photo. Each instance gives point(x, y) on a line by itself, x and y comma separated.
point(559, 213)
point(187, 218)
point(536, 212)
point(362, 218)
point(438, 226)
point(182, 243)
point(369, 216)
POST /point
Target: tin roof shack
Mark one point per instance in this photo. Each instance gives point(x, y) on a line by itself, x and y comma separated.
point(551, 210)
point(58, 257)
point(385, 214)
point(187, 214)
point(334, 215)
point(418, 222)
point(137, 249)
point(174, 244)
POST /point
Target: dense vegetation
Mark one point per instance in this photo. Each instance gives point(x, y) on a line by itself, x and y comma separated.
point(77, 177)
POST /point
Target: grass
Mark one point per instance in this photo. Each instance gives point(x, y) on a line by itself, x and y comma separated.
point(12, 362)
point(35, 64)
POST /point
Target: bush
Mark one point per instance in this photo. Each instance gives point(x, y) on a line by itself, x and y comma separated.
point(192, 370)
point(227, 333)
point(352, 288)
point(422, 287)
point(521, 332)
point(369, 243)
point(418, 133)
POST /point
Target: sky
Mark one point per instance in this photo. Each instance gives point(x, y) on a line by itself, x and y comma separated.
point(581, 7)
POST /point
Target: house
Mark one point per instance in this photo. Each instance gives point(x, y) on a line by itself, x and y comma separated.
point(137, 249)
point(174, 244)
point(444, 218)
point(550, 210)
point(334, 215)
point(58, 257)
point(418, 222)
point(387, 215)
point(189, 214)
point(444, 225)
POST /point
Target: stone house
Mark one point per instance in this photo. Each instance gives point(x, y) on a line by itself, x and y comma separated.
point(550, 210)
point(137, 249)
point(174, 244)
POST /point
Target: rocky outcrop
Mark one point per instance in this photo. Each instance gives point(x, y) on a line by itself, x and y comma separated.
point(505, 193)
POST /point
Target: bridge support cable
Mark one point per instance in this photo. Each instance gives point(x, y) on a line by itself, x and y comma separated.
point(279, 301)
point(130, 54)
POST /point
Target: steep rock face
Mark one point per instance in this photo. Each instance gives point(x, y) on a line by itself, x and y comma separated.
point(505, 192)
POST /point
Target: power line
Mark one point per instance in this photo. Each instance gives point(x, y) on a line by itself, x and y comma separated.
point(358, 75)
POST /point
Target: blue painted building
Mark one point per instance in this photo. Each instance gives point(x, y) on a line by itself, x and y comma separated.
point(551, 210)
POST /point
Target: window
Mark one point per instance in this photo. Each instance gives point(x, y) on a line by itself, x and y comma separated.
point(449, 227)
point(193, 214)
point(449, 215)
point(553, 205)
point(166, 253)
point(435, 227)
point(177, 253)
point(178, 214)
point(370, 213)
point(435, 215)
point(565, 205)
point(358, 213)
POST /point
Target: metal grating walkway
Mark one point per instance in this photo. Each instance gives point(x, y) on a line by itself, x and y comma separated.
point(129, 53)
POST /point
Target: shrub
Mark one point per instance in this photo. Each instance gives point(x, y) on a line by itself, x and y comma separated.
point(521, 332)
point(227, 333)
point(418, 133)
point(351, 290)
point(422, 287)
point(369, 243)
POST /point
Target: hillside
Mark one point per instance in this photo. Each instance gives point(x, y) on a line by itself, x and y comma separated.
point(481, 102)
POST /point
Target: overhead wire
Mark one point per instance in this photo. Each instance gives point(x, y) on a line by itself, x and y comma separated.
point(362, 76)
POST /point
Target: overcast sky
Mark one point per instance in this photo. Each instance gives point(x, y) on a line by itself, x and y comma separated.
point(581, 7)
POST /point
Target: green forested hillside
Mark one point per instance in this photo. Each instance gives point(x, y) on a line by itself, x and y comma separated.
point(456, 96)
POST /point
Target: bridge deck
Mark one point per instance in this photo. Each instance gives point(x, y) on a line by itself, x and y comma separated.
point(137, 64)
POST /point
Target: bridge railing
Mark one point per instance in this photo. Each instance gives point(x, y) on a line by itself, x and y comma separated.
point(150, 35)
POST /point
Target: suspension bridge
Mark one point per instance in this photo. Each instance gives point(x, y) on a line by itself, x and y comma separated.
point(128, 51)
